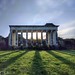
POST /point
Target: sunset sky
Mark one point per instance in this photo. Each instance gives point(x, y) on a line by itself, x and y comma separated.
point(38, 12)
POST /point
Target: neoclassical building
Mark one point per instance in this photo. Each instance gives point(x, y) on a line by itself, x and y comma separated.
point(16, 37)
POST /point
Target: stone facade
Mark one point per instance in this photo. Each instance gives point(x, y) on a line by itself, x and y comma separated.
point(49, 28)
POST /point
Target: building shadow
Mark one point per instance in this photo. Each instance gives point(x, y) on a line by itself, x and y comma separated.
point(64, 60)
point(68, 52)
point(11, 60)
point(7, 53)
point(37, 67)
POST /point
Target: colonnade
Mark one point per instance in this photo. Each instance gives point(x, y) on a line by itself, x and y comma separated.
point(51, 37)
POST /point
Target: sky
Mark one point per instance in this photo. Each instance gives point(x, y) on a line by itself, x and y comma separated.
point(38, 12)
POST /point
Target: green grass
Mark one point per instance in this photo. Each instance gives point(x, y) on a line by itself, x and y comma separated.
point(37, 62)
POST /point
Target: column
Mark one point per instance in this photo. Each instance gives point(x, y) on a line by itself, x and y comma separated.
point(32, 38)
point(41, 38)
point(13, 38)
point(46, 37)
point(55, 38)
point(16, 38)
point(36, 37)
point(26, 38)
point(51, 38)
point(48, 41)
point(10, 38)
point(21, 37)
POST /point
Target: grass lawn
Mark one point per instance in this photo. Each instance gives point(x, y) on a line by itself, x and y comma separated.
point(25, 62)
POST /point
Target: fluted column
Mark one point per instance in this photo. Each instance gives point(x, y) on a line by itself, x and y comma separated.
point(10, 38)
point(55, 38)
point(36, 37)
point(46, 37)
point(16, 38)
point(51, 38)
point(32, 38)
point(26, 38)
point(41, 37)
point(21, 37)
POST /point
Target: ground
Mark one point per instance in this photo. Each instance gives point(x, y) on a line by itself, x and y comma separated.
point(26, 62)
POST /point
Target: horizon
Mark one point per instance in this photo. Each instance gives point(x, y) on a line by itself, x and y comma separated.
point(39, 12)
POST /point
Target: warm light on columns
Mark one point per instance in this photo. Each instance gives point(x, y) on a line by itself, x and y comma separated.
point(29, 35)
point(44, 35)
point(34, 35)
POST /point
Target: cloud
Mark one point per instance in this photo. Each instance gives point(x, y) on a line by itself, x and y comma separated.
point(67, 30)
point(53, 3)
point(38, 12)
point(5, 5)
point(46, 17)
point(2, 5)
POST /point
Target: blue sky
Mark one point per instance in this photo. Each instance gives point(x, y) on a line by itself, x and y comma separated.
point(35, 12)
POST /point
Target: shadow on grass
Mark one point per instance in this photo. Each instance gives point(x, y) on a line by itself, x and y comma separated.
point(10, 61)
point(65, 61)
point(7, 53)
point(37, 67)
point(72, 53)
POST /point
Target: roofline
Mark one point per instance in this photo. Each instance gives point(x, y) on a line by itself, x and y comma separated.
point(46, 25)
point(32, 26)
